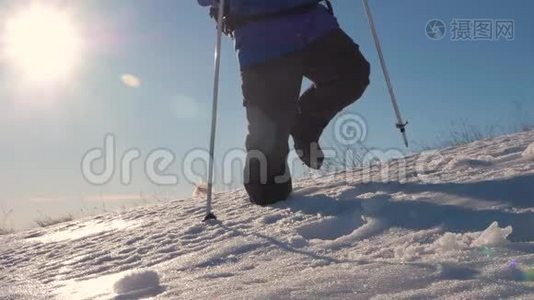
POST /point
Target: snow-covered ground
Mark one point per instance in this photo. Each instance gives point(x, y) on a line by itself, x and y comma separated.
point(460, 225)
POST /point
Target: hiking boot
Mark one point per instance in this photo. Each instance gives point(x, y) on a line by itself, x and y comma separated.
point(310, 153)
point(267, 194)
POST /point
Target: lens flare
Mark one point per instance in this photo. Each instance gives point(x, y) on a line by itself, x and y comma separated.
point(526, 274)
point(529, 275)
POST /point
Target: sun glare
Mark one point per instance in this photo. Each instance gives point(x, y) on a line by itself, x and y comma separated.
point(42, 42)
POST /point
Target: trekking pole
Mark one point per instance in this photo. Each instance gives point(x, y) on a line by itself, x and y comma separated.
point(401, 125)
point(209, 194)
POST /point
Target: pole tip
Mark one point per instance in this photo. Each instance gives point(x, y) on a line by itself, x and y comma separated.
point(210, 217)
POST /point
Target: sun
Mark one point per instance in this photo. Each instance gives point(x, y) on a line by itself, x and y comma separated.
point(42, 42)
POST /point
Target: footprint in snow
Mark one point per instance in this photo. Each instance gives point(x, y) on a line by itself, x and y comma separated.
point(345, 218)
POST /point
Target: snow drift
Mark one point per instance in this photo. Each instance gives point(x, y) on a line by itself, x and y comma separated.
point(137, 285)
point(529, 152)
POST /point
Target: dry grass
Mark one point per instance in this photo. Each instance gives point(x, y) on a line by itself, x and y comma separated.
point(461, 133)
point(48, 221)
point(4, 217)
point(4, 231)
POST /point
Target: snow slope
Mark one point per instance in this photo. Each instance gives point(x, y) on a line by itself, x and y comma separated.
point(460, 226)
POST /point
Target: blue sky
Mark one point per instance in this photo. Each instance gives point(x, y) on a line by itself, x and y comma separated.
point(169, 45)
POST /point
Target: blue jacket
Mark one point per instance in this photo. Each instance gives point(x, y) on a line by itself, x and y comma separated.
point(263, 40)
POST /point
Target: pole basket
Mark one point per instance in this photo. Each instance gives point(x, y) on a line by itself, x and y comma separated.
point(210, 217)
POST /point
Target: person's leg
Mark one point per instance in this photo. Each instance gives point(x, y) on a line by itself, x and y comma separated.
point(340, 75)
point(271, 92)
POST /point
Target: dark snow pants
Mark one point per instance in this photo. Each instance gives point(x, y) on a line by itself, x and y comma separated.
point(275, 109)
